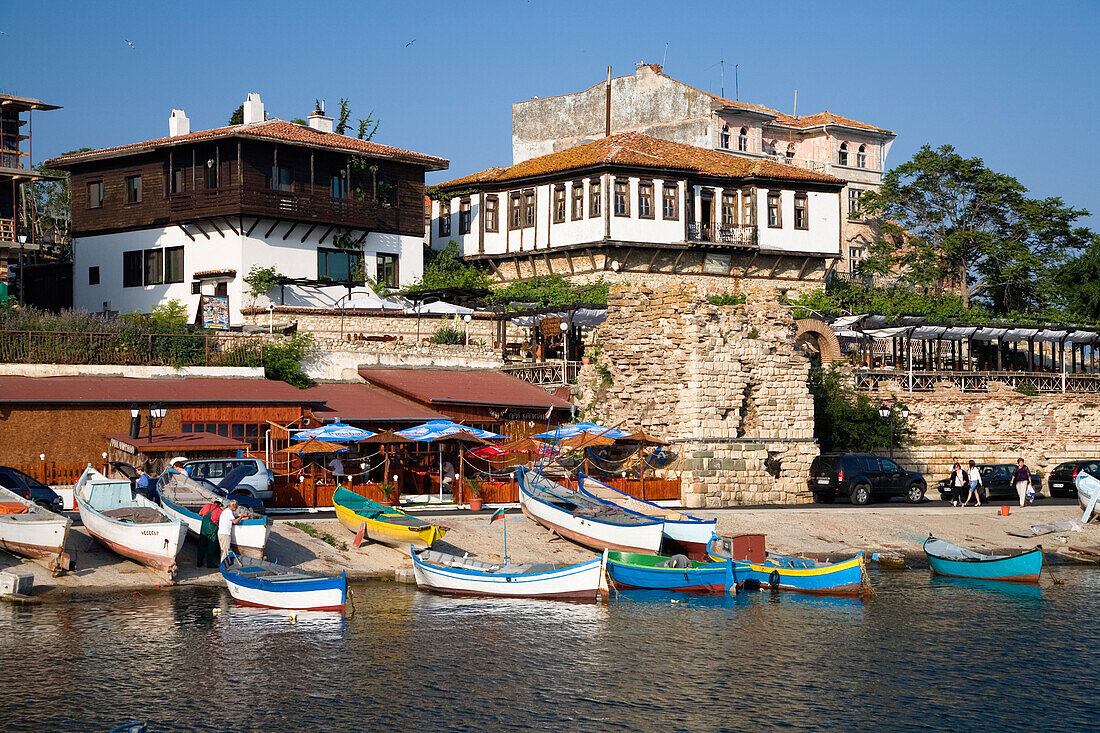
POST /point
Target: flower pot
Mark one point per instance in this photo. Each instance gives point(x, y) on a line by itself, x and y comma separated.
point(475, 504)
point(585, 360)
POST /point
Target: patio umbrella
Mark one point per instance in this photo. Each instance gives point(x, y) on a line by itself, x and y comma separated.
point(312, 445)
point(337, 431)
point(641, 438)
point(440, 431)
point(386, 437)
point(571, 431)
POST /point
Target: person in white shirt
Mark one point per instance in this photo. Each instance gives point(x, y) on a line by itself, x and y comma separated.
point(225, 527)
point(449, 474)
point(336, 466)
point(975, 478)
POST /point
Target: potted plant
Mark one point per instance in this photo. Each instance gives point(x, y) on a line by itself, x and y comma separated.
point(475, 488)
point(391, 496)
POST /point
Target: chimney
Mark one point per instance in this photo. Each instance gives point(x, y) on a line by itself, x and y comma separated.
point(318, 121)
point(178, 124)
point(253, 109)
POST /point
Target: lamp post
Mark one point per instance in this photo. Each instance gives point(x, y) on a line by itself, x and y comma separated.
point(886, 412)
point(466, 319)
point(22, 241)
point(564, 325)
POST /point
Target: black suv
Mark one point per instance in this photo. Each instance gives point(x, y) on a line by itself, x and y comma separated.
point(30, 488)
point(996, 481)
point(1061, 481)
point(863, 477)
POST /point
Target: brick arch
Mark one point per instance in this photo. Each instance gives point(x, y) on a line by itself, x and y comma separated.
point(820, 334)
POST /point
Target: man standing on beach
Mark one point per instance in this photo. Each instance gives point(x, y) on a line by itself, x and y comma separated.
point(225, 527)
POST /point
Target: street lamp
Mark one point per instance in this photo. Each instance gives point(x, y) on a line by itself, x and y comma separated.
point(22, 241)
point(564, 325)
point(466, 319)
point(886, 412)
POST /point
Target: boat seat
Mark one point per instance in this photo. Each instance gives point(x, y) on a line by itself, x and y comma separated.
point(676, 561)
point(136, 515)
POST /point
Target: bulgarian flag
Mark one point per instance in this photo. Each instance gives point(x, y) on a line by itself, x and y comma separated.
point(496, 515)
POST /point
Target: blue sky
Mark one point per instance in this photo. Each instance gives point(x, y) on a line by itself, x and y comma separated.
point(1014, 83)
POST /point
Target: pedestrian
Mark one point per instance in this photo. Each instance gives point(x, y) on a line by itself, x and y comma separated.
point(958, 483)
point(975, 478)
point(142, 482)
point(208, 535)
point(1021, 477)
point(336, 465)
point(225, 527)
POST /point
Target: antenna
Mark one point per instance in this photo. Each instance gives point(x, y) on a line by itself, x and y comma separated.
point(607, 127)
point(665, 57)
point(795, 113)
point(736, 86)
point(722, 66)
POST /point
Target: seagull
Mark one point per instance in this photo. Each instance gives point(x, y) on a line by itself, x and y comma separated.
point(129, 44)
point(410, 43)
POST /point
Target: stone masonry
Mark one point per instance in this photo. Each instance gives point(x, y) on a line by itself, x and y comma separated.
point(725, 384)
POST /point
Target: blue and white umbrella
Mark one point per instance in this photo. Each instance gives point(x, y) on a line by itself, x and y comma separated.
point(441, 429)
point(572, 431)
point(337, 431)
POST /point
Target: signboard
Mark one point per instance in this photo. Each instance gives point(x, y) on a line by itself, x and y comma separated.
point(716, 263)
point(214, 312)
point(117, 444)
point(550, 326)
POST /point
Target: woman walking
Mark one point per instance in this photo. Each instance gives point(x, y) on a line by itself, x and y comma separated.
point(958, 483)
point(975, 478)
point(1021, 477)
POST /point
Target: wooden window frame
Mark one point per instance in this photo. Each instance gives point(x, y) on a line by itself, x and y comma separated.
point(615, 183)
point(492, 213)
point(842, 154)
point(559, 203)
point(642, 187)
point(724, 137)
point(445, 218)
point(854, 211)
point(576, 212)
point(801, 197)
point(385, 257)
point(210, 177)
point(329, 251)
point(748, 211)
point(129, 258)
point(465, 217)
point(169, 254)
point(515, 210)
point(670, 200)
point(729, 205)
point(777, 223)
point(743, 140)
point(99, 201)
point(530, 203)
point(595, 198)
point(137, 190)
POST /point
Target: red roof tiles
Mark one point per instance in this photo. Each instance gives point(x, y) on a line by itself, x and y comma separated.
point(826, 118)
point(364, 403)
point(189, 390)
point(468, 387)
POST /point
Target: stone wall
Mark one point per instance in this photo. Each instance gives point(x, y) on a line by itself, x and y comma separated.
point(725, 384)
point(351, 325)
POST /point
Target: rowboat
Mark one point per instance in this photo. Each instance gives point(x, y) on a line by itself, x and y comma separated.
point(386, 524)
point(33, 531)
point(181, 502)
point(634, 570)
point(682, 532)
point(584, 519)
point(797, 574)
point(443, 573)
point(1087, 485)
point(128, 523)
point(254, 582)
point(953, 561)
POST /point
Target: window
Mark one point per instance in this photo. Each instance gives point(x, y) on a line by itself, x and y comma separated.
point(339, 186)
point(196, 288)
point(386, 193)
point(95, 194)
point(529, 207)
point(595, 198)
point(132, 269)
point(801, 212)
point(387, 270)
point(724, 138)
point(281, 179)
point(173, 264)
point(559, 203)
point(855, 257)
point(465, 216)
point(491, 203)
point(515, 210)
point(445, 218)
point(178, 182)
point(743, 140)
point(775, 214)
point(622, 197)
point(670, 195)
point(645, 199)
point(154, 266)
point(133, 189)
point(339, 265)
point(93, 275)
point(842, 154)
point(578, 200)
point(150, 267)
point(729, 209)
point(790, 151)
point(861, 156)
point(853, 203)
point(748, 215)
point(211, 174)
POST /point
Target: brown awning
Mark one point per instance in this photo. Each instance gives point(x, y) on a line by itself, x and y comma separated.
point(313, 446)
point(641, 438)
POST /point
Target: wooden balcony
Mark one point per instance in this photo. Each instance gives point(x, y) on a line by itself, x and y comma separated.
point(294, 205)
point(735, 236)
point(7, 230)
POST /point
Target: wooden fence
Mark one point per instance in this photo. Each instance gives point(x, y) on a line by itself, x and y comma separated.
point(54, 473)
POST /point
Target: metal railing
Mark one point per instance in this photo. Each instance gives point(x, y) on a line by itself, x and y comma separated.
point(722, 234)
point(804, 163)
point(921, 381)
point(60, 347)
point(544, 374)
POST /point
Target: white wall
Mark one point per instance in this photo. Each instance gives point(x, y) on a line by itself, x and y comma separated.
point(823, 235)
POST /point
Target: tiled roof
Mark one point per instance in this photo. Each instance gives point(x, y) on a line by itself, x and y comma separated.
point(636, 149)
point(442, 387)
point(825, 118)
point(357, 402)
point(128, 390)
point(277, 130)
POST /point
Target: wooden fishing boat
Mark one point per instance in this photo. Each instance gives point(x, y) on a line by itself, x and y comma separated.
point(584, 519)
point(634, 570)
point(386, 524)
point(30, 530)
point(953, 561)
point(1086, 486)
point(254, 582)
point(797, 574)
point(128, 523)
point(683, 533)
point(182, 503)
point(443, 573)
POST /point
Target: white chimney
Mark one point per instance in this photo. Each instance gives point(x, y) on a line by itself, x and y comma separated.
point(318, 121)
point(178, 124)
point(253, 109)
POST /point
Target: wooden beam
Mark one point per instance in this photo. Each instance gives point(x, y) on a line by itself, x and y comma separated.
point(546, 259)
point(289, 229)
point(805, 264)
point(229, 224)
point(360, 240)
point(254, 224)
point(569, 261)
point(184, 230)
point(515, 261)
point(676, 264)
point(325, 235)
point(273, 225)
point(626, 258)
point(201, 230)
point(219, 231)
point(496, 268)
point(308, 232)
point(749, 264)
point(592, 259)
point(775, 267)
point(649, 267)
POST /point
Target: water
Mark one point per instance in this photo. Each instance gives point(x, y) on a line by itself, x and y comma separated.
point(925, 654)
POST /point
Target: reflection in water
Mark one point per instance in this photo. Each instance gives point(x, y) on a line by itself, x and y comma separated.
point(923, 654)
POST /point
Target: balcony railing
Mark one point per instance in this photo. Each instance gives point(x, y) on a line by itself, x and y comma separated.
point(919, 381)
point(544, 374)
point(7, 230)
point(290, 204)
point(744, 236)
point(804, 163)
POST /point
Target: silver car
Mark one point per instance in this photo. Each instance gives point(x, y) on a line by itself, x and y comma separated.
point(257, 482)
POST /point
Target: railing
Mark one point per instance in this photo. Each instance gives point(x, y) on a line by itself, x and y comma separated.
point(544, 374)
point(59, 347)
point(7, 230)
point(920, 381)
point(736, 235)
point(53, 473)
point(350, 211)
point(804, 163)
point(222, 200)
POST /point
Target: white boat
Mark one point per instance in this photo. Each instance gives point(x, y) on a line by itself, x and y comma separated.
point(254, 582)
point(128, 523)
point(1086, 485)
point(182, 501)
point(33, 531)
point(443, 573)
point(584, 519)
point(689, 532)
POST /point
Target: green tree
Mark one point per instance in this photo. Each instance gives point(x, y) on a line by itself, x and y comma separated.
point(447, 269)
point(366, 129)
point(949, 220)
point(845, 420)
point(1078, 282)
point(553, 290)
point(343, 117)
point(283, 360)
point(237, 118)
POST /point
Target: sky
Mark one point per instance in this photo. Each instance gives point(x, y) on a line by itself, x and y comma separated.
point(1013, 83)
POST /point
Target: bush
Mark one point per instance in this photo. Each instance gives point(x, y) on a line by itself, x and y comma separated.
point(283, 360)
point(844, 420)
point(1027, 390)
point(553, 290)
point(447, 269)
point(448, 334)
point(726, 298)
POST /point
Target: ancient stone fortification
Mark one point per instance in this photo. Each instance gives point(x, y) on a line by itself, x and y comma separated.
point(724, 383)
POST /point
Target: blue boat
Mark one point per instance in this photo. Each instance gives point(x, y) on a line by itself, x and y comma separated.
point(953, 561)
point(635, 570)
point(797, 574)
point(266, 584)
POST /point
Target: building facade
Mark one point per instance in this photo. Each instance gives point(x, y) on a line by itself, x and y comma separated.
point(651, 102)
point(635, 203)
point(190, 215)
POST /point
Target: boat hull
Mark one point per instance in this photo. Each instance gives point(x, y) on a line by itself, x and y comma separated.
point(315, 594)
point(37, 533)
point(249, 535)
point(577, 582)
point(1024, 568)
point(845, 578)
point(386, 533)
point(710, 578)
point(1084, 484)
point(590, 532)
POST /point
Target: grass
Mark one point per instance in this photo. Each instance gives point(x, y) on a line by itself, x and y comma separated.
point(318, 534)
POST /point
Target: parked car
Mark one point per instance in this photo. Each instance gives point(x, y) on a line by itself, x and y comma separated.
point(256, 482)
point(862, 477)
point(30, 488)
point(1061, 479)
point(996, 481)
